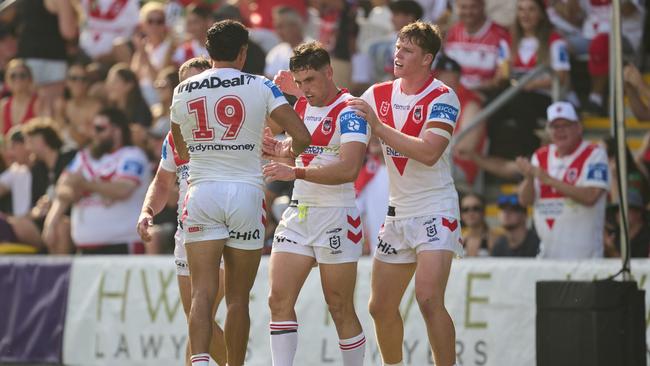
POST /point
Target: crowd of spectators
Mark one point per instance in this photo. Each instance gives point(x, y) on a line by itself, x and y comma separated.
point(86, 85)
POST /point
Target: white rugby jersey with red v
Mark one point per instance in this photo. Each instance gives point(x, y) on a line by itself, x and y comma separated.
point(330, 127)
point(417, 189)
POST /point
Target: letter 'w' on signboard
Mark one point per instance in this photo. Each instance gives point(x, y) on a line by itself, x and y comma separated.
point(103, 294)
point(165, 283)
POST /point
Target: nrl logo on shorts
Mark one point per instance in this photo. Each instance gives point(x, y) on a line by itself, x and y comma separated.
point(432, 231)
point(335, 242)
point(383, 110)
point(572, 175)
point(417, 114)
point(326, 127)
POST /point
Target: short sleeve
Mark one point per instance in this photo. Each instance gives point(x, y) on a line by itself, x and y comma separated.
point(167, 161)
point(560, 55)
point(595, 172)
point(369, 97)
point(132, 165)
point(533, 160)
point(444, 109)
point(176, 111)
point(272, 95)
point(353, 127)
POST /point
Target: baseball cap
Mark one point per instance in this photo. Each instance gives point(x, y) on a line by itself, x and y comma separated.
point(561, 110)
point(446, 63)
point(510, 201)
point(408, 7)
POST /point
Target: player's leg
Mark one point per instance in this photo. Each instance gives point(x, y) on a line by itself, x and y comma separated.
point(218, 341)
point(241, 269)
point(338, 281)
point(184, 289)
point(202, 256)
point(388, 283)
point(287, 274)
point(431, 277)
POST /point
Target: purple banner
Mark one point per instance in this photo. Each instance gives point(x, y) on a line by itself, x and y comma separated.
point(33, 299)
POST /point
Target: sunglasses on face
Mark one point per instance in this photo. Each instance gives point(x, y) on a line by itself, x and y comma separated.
point(77, 78)
point(100, 128)
point(156, 21)
point(19, 76)
point(471, 209)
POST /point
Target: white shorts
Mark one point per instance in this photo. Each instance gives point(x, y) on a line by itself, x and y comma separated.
point(225, 210)
point(401, 239)
point(47, 71)
point(331, 235)
point(180, 255)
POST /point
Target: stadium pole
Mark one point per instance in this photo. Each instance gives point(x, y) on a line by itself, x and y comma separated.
point(617, 113)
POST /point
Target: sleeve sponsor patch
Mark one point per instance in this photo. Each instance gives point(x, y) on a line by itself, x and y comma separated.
point(444, 111)
point(277, 93)
point(598, 172)
point(563, 54)
point(353, 123)
point(133, 167)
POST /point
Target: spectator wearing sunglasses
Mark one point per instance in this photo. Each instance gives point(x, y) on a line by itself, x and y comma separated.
point(517, 240)
point(75, 111)
point(154, 48)
point(105, 185)
point(23, 104)
point(476, 234)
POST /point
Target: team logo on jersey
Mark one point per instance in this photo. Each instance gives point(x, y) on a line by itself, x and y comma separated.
point(417, 114)
point(597, 171)
point(335, 242)
point(326, 126)
point(385, 107)
point(572, 175)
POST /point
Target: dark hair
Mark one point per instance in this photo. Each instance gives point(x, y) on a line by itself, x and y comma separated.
point(118, 119)
point(170, 74)
point(200, 11)
point(200, 63)
point(408, 7)
point(134, 98)
point(446, 63)
point(311, 55)
point(225, 40)
point(425, 35)
point(43, 126)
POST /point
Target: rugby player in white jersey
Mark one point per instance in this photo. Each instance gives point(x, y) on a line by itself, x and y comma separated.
point(322, 224)
point(171, 169)
point(414, 117)
point(217, 123)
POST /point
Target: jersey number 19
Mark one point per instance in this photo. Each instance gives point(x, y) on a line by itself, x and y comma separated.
point(229, 112)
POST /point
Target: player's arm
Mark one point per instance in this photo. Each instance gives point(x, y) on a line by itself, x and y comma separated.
point(426, 149)
point(526, 189)
point(289, 120)
point(351, 157)
point(179, 142)
point(155, 200)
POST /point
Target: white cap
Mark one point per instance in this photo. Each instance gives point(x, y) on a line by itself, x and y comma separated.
point(561, 110)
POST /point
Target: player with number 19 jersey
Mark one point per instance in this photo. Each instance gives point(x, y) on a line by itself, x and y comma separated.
point(222, 121)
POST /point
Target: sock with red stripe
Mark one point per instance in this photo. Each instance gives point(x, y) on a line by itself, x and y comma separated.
point(353, 350)
point(201, 359)
point(284, 342)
